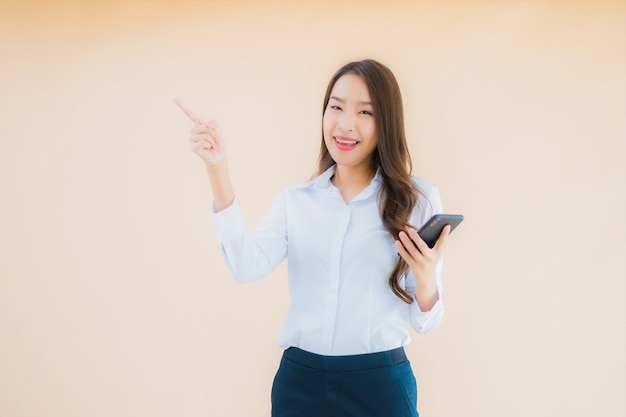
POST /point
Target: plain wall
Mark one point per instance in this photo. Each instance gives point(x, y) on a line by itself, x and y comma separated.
point(114, 300)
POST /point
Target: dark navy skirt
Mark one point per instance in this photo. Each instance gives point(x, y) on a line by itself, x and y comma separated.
point(370, 385)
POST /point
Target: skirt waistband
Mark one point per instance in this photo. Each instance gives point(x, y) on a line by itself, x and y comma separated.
point(346, 363)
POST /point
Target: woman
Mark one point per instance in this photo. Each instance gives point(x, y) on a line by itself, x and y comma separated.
point(358, 271)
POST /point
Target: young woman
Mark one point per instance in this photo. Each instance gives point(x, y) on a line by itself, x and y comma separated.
point(358, 271)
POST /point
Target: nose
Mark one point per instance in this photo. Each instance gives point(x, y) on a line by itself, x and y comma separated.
point(346, 121)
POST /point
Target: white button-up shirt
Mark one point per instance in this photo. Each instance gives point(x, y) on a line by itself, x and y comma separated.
point(340, 257)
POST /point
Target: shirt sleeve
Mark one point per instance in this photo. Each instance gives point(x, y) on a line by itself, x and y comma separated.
point(425, 321)
point(252, 256)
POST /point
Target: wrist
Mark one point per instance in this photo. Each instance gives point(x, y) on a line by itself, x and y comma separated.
point(426, 286)
point(219, 175)
point(223, 194)
point(426, 295)
point(217, 170)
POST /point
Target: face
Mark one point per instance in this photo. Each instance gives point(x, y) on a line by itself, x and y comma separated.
point(348, 123)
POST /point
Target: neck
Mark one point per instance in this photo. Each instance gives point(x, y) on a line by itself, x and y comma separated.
point(351, 180)
point(353, 176)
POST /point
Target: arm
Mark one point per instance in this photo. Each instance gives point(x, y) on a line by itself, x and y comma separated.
point(207, 143)
point(248, 256)
point(423, 263)
point(423, 279)
point(223, 193)
point(424, 321)
point(252, 256)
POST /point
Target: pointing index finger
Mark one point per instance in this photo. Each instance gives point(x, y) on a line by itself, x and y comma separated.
point(188, 112)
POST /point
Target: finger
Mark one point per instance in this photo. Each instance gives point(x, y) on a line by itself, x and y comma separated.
point(215, 127)
point(204, 142)
point(195, 147)
point(188, 112)
point(442, 238)
point(199, 129)
point(200, 147)
point(409, 246)
point(214, 136)
point(402, 252)
point(205, 137)
point(204, 129)
point(418, 241)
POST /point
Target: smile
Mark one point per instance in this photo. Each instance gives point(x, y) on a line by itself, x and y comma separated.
point(344, 143)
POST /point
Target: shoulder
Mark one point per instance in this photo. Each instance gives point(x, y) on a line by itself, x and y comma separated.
point(428, 201)
point(319, 182)
point(299, 188)
point(294, 190)
point(425, 186)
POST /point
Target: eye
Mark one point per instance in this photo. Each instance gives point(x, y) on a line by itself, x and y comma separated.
point(369, 113)
point(335, 107)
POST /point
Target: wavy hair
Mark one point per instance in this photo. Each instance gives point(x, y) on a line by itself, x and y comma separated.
point(399, 194)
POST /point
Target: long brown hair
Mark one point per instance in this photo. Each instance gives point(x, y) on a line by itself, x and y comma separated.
point(398, 195)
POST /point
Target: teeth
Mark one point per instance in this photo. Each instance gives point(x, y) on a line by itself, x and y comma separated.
point(344, 142)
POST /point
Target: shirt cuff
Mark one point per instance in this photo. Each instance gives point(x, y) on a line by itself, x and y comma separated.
point(425, 321)
point(228, 222)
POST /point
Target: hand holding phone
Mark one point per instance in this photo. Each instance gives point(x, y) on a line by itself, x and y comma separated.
point(431, 230)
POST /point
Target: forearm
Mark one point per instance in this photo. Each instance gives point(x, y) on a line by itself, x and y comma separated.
point(426, 295)
point(223, 193)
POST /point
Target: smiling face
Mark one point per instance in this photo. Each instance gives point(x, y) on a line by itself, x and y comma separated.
point(348, 124)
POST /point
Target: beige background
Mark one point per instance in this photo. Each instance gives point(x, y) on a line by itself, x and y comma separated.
point(113, 298)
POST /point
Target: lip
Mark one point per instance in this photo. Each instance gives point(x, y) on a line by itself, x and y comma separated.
point(342, 146)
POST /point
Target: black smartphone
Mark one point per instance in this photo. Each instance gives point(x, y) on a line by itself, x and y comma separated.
point(431, 230)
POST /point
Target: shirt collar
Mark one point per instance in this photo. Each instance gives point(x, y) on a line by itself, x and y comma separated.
point(323, 181)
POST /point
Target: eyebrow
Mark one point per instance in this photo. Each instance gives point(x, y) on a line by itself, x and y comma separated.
point(365, 103)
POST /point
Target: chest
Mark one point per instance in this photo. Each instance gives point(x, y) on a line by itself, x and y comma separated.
point(327, 231)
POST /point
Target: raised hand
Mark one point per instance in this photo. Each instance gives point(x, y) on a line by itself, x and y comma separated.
point(207, 143)
point(206, 138)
